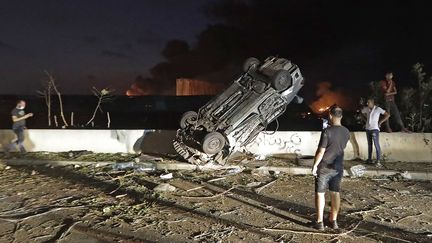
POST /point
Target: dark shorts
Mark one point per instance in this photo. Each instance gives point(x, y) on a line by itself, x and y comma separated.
point(328, 178)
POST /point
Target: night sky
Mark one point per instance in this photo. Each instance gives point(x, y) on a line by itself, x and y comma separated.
point(147, 44)
point(89, 43)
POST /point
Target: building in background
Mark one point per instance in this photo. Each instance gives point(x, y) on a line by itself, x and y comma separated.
point(189, 87)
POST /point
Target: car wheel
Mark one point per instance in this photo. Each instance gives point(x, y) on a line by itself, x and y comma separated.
point(251, 64)
point(281, 80)
point(213, 143)
point(188, 118)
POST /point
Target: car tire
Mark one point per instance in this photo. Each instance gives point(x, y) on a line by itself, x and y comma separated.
point(188, 118)
point(213, 143)
point(251, 64)
point(281, 80)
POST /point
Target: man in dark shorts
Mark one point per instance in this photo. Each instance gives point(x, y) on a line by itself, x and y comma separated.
point(19, 118)
point(328, 167)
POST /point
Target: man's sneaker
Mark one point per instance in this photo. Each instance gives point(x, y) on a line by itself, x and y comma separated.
point(378, 164)
point(334, 225)
point(318, 225)
point(368, 161)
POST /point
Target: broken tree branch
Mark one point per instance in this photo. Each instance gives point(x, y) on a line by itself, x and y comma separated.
point(409, 216)
point(312, 232)
point(376, 208)
point(259, 189)
point(59, 96)
point(103, 96)
point(211, 197)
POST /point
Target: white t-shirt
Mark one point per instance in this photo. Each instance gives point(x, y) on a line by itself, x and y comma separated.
point(373, 116)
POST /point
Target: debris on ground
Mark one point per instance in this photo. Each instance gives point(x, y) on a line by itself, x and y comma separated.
point(166, 176)
point(357, 170)
point(164, 187)
point(93, 203)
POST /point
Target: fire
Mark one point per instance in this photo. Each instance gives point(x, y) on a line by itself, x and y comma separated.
point(322, 109)
point(328, 96)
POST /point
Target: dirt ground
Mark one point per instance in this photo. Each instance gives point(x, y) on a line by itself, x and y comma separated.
point(99, 204)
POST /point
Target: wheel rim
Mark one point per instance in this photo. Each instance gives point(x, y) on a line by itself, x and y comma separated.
point(213, 143)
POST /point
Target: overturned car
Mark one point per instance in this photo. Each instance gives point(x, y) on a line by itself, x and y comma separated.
point(235, 117)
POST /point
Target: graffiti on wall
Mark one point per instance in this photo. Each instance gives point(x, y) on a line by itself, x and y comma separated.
point(287, 144)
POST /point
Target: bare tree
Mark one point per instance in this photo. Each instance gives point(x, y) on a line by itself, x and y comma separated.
point(46, 94)
point(103, 96)
point(51, 80)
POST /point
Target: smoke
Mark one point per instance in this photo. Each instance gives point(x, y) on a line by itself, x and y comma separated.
point(328, 97)
point(308, 32)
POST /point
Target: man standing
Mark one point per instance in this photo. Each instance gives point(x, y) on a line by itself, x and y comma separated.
point(19, 124)
point(389, 89)
point(373, 124)
point(328, 167)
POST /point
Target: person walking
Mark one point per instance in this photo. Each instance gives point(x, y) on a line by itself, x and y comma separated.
point(328, 167)
point(373, 114)
point(388, 87)
point(19, 118)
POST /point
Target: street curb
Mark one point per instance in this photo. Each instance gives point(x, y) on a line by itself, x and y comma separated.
point(411, 175)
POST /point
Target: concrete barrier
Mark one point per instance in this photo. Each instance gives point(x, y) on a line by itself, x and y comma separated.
point(413, 147)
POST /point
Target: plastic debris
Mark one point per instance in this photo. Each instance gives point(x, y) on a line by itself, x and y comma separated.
point(122, 166)
point(234, 171)
point(166, 176)
point(145, 167)
point(140, 167)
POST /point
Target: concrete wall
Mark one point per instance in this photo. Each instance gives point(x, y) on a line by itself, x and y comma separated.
point(408, 147)
point(414, 147)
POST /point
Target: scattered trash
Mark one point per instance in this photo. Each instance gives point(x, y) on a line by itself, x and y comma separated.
point(260, 172)
point(358, 170)
point(164, 187)
point(107, 210)
point(140, 167)
point(276, 173)
point(406, 175)
point(77, 166)
point(122, 166)
point(260, 157)
point(34, 172)
point(120, 196)
point(8, 167)
point(145, 167)
point(234, 171)
point(166, 176)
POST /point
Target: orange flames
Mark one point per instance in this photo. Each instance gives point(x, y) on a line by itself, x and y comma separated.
point(328, 97)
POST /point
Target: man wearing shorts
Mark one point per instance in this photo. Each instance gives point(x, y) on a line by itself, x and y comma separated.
point(328, 167)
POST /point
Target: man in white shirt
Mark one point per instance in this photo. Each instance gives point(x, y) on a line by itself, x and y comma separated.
point(373, 123)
